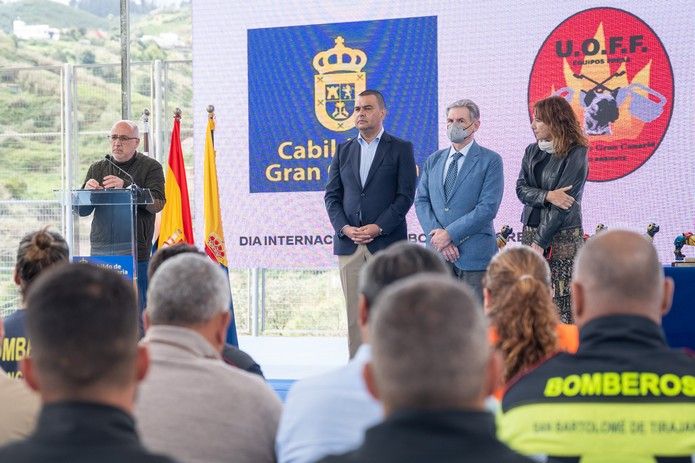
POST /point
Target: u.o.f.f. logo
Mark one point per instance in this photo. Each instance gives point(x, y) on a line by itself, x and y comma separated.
point(614, 71)
point(338, 82)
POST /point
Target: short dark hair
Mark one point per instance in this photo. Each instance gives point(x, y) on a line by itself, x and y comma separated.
point(377, 94)
point(394, 263)
point(168, 252)
point(82, 321)
point(429, 344)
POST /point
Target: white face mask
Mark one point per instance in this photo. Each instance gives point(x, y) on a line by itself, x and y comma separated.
point(547, 146)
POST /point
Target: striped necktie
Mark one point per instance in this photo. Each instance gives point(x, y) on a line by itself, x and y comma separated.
point(450, 179)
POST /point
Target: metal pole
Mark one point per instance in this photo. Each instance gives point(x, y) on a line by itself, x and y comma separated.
point(261, 299)
point(253, 293)
point(156, 135)
point(68, 144)
point(125, 60)
point(145, 135)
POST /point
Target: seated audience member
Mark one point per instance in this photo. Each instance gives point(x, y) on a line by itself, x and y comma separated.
point(19, 406)
point(329, 413)
point(625, 396)
point(432, 369)
point(85, 364)
point(230, 354)
point(518, 299)
point(37, 251)
point(193, 405)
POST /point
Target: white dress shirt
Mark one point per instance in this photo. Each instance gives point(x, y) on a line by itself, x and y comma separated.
point(327, 414)
point(367, 153)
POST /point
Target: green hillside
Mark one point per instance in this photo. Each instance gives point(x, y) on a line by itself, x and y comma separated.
point(31, 97)
point(51, 13)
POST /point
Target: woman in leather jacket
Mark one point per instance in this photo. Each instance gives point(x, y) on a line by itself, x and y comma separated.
point(550, 185)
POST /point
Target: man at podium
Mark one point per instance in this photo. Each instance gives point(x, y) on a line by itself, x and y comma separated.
point(126, 167)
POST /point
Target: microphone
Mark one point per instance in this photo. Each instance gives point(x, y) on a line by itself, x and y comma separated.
point(130, 177)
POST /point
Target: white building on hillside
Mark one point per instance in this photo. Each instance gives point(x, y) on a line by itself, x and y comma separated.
point(26, 31)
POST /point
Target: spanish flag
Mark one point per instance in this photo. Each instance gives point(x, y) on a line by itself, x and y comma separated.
point(176, 225)
point(214, 235)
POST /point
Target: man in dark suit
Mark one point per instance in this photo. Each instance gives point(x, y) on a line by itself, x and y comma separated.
point(85, 364)
point(432, 391)
point(371, 186)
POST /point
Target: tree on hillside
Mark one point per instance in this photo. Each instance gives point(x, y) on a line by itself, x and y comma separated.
point(87, 57)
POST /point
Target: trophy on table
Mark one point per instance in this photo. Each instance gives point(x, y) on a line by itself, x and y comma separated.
point(599, 228)
point(503, 236)
point(684, 239)
point(652, 230)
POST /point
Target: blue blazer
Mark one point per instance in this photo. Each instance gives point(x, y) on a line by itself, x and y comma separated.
point(384, 199)
point(474, 202)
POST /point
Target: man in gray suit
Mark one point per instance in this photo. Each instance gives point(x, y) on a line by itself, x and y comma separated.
point(459, 194)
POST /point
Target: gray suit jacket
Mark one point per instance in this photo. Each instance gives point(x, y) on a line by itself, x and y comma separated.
point(467, 215)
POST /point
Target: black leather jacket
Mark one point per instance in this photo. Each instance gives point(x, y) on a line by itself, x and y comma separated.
point(560, 172)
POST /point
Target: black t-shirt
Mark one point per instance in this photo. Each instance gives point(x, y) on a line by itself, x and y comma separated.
point(15, 345)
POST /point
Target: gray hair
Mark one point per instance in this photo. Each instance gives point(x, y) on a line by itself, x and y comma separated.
point(133, 127)
point(398, 261)
point(186, 290)
point(465, 103)
point(429, 344)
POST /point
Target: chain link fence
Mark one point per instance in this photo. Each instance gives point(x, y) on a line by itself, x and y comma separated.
point(31, 168)
point(301, 302)
point(17, 217)
point(32, 140)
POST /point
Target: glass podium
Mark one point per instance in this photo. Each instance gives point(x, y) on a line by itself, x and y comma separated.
point(103, 225)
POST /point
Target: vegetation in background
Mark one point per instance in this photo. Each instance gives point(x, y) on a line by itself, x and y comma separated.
point(31, 143)
point(51, 13)
point(31, 120)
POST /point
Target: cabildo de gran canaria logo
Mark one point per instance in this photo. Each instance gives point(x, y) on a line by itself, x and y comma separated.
point(303, 83)
point(338, 82)
point(616, 74)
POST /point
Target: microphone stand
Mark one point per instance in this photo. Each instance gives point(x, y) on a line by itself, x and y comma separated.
point(130, 177)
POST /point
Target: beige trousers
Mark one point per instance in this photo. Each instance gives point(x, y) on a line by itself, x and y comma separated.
point(350, 267)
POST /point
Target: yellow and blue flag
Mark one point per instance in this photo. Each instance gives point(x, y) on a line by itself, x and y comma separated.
point(214, 234)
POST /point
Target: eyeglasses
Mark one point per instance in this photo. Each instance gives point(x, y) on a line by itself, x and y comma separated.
point(121, 138)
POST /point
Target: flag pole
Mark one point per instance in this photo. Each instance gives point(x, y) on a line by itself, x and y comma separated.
point(214, 236)
point(211, 115)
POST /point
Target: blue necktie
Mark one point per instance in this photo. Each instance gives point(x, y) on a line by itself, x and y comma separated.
point(450, 179)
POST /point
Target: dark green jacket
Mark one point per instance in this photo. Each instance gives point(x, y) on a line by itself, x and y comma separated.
point(147, 173)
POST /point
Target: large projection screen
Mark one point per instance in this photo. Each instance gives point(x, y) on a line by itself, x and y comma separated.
point(283, 102)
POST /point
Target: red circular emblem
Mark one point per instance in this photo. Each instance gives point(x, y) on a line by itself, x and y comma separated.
point(615, 72)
